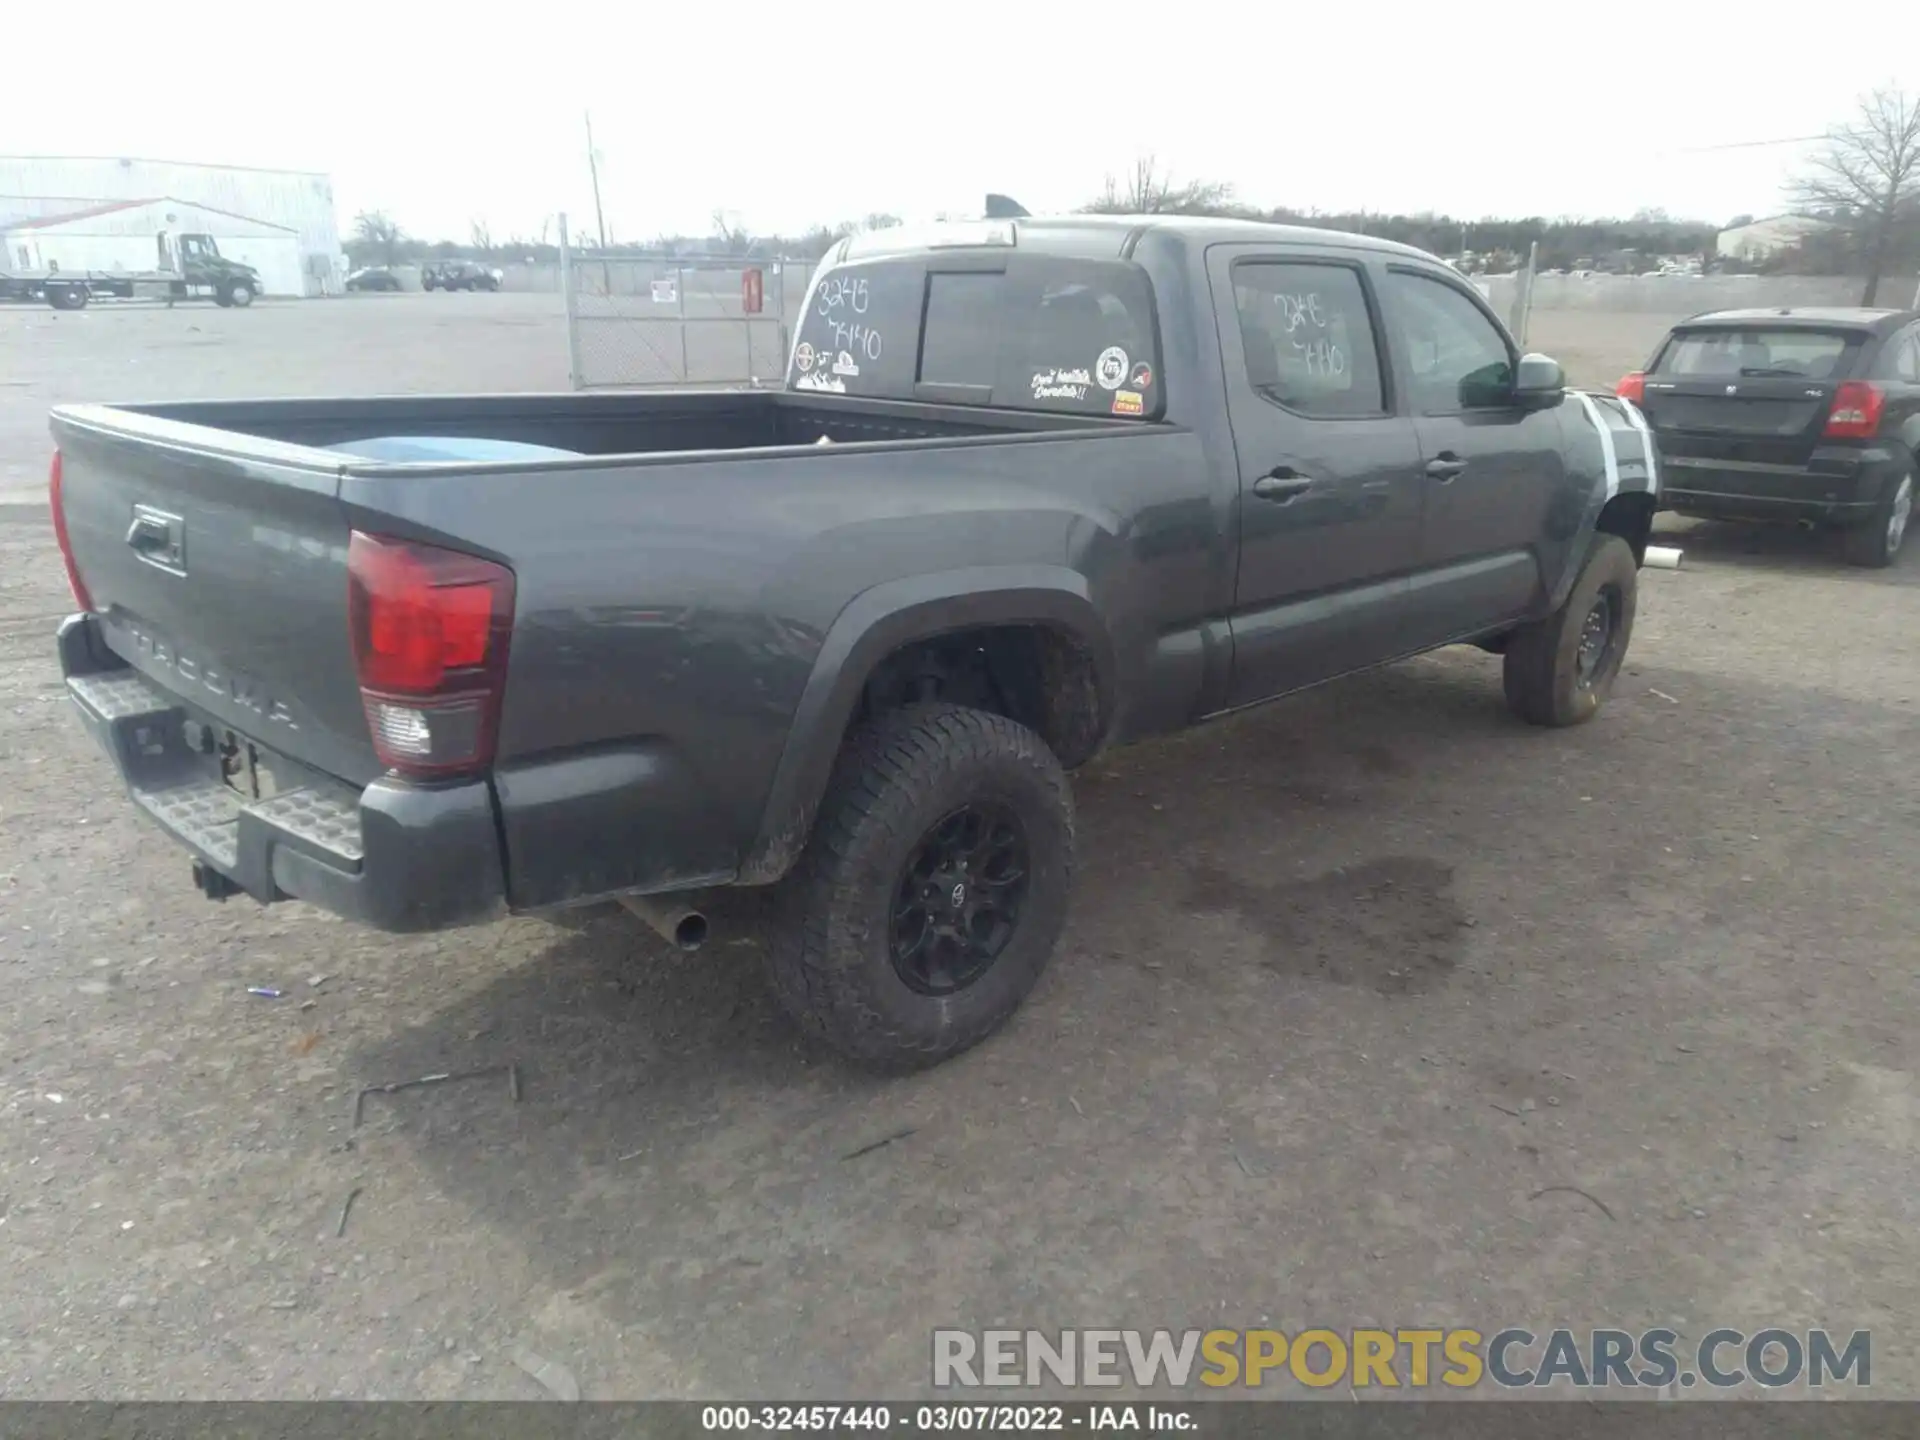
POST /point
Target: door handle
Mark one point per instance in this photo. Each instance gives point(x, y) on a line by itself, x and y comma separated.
point(1445, 466)
point(149, 535)
point(1281, 484)
point(146, 532)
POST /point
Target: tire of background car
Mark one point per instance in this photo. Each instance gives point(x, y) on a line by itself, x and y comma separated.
point(1559, 670)
point(1877, 543)
point(427, 282)
point(67, 297)
point(939, 822)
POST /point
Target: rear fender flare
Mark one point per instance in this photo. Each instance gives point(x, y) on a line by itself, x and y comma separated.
point(872, 626)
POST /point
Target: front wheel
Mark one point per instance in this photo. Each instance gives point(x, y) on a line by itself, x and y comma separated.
point(932, 891)
point(240, 295)
point(1877, 543)
point(1560, 670)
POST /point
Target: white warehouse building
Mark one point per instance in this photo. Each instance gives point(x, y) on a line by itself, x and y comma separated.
point(296, 202)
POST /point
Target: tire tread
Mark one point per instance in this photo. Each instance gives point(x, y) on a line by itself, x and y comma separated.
point(818, 936)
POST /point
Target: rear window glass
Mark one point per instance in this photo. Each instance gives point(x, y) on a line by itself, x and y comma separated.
point(1753, 353)
point(1046, 333)
point(962, 344)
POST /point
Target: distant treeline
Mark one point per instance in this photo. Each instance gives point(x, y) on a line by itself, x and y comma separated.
point(1561, 241)
point(1624, 245)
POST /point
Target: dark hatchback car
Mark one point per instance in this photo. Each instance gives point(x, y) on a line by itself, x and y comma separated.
point(1806, 415)
point(374, 277)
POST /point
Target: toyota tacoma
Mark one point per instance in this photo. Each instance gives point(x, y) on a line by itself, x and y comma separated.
point(1031, 488)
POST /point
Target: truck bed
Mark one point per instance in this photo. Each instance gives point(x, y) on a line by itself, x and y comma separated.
point(619, 424)
point(674, 573)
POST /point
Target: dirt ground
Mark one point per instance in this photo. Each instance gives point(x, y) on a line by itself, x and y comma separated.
point(1352, 985)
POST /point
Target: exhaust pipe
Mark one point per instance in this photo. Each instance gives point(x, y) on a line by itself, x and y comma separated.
point(671, 918)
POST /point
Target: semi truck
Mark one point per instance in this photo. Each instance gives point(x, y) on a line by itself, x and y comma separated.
point(167, 267)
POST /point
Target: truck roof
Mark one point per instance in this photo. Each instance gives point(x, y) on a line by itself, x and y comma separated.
point(1105, 235)
point(1812, 317)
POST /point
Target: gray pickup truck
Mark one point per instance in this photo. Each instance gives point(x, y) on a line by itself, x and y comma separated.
point(1033, 487)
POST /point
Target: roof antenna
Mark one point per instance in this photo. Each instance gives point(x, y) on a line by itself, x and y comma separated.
point(1001, 207)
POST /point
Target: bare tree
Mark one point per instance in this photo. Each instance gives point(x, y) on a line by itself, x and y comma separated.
point(731, 235)
point(482, 236)
point(378, 233)
point(1146, 190)
point(1866, 179)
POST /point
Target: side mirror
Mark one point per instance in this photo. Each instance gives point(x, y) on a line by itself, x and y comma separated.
point(1539, 381)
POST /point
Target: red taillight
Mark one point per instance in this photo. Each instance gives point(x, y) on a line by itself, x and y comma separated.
point(57, 503)
point(1856, 411)
point(430, 631)
point(1633, 387)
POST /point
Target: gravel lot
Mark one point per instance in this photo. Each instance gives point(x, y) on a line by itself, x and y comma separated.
point(1353, 983)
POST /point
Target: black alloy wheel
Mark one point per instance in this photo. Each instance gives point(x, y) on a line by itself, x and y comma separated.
point(959, 898)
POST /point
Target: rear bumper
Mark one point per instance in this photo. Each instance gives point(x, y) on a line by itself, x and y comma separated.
point(1836, 486)
point(393, 856)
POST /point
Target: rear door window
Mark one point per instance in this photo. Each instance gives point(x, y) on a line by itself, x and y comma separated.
point(1752, 353)
point(1901, 358)
point(1308, 335)
point(1043, 333)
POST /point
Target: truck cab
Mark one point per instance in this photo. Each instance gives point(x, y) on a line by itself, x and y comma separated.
point(197, 263)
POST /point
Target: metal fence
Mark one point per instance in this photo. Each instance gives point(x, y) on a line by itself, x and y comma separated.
point(637, 320)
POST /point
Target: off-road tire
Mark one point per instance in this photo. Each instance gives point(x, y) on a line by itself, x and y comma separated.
point(1878, 543)
point(829, 943)
point(1541, 667)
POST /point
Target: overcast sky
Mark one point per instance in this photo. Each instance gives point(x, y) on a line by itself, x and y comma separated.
point(789, 115)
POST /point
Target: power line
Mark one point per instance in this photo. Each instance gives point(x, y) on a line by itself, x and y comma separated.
point(1744, 145)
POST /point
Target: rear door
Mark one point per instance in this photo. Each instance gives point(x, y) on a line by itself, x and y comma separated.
point(222, 578)
point(1329, 490)
point(1492, 469)
point(1746, 396)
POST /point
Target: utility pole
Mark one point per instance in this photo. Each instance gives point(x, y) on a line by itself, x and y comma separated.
point(593, 169)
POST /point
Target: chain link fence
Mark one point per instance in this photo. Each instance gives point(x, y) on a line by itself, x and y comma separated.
point(637, 320)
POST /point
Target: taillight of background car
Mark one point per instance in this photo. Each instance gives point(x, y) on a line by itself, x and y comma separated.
point(1856, 411)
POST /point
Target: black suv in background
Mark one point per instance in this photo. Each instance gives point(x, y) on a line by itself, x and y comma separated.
point(1810, 415)
point(458, 275)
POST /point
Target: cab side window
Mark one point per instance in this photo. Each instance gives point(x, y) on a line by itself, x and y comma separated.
point(1309, 339)
point(1457, 359)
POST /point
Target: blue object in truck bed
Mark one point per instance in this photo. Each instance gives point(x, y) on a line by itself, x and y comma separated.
point(448, 447)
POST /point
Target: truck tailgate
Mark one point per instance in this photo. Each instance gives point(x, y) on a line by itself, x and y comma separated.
point(222, 578)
